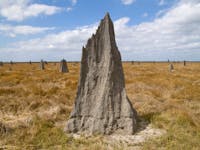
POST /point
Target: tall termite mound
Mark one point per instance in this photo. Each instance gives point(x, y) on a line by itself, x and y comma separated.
point(63, 66)
point(41, 65)
point(101, 105)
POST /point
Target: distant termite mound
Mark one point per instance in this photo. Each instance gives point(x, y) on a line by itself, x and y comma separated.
point(63, 66)
point(101, 105)
point(184, 63)
point(42, 65)
point(1, 63)
point(171, 67)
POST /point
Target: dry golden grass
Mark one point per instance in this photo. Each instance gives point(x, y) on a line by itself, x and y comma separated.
point(35, 104)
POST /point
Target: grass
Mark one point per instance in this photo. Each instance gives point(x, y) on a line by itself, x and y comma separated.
point(35, 105)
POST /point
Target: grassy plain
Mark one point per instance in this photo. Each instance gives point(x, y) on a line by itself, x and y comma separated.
point(35, 104)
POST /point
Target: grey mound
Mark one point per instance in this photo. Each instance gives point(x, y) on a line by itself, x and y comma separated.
point(101, 105)
point(171, 67)
point(41, 65)
point(184, 63)
point(63, 66)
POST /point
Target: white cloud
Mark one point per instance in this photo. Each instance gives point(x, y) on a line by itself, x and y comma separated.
point(161, 2)
point(175, 35)
point(189, 1)
point(65, 44)
point(69, 9)
point(12, 31)
point(145, 14)
point(127, 2)
point(74, 2)
point(66, 40)
point(18, 10)
point(162, 12)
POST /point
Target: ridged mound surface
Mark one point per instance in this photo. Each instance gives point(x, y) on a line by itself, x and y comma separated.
point(101, 105)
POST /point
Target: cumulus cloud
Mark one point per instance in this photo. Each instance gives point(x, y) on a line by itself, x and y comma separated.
point(175, 36)
point(12, 31)
point(70, 40)
point(127, 2)
point(66, 44)
point(18, 10)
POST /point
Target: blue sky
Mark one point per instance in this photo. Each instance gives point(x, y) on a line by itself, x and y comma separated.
point(56, 29)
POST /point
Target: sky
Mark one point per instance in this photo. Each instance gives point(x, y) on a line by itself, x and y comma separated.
point(146, 30)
